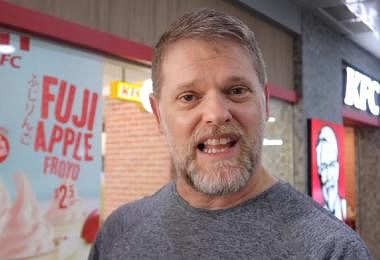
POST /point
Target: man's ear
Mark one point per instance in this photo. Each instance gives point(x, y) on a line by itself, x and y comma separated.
point(156, 110)
point(266, 94)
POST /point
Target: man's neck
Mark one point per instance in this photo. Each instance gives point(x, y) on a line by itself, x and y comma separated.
point(259, 182)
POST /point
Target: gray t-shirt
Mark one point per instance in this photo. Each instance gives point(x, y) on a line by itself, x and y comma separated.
point(280, 223)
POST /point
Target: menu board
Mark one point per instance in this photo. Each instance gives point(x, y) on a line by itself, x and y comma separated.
point(50, 148)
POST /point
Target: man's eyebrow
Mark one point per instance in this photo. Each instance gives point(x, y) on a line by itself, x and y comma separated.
point(233, 80)
point(237, 79)
point(186, 85)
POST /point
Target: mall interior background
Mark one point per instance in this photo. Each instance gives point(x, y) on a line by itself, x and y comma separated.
point(136, 162)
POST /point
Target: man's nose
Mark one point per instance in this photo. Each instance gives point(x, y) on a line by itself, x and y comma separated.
point(216, 110)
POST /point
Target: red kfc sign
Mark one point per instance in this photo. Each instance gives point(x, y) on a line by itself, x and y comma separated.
point(327, 166)
point(7, 58)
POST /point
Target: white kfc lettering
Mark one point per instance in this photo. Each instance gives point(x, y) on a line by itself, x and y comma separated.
point(362, 91)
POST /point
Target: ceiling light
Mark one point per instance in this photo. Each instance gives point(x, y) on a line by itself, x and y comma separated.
point(366, 14)
point(272, 142)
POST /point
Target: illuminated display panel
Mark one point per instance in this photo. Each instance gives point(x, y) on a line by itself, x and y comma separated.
point(327, 166)
point(361, 92)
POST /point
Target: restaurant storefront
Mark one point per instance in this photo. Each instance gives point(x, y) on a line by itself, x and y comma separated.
point(77, 138)
point(129, 159)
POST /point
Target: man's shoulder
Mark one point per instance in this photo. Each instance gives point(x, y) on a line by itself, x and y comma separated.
point(300, 209)
point(314, 226)
point(135, 211)
point(125, 221)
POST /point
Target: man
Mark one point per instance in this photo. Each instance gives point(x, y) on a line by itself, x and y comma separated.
point(328, 170)
point(211, 104)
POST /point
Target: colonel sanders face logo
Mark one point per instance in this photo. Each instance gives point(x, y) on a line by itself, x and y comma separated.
point(328, 170)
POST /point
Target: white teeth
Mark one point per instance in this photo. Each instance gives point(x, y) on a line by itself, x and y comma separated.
point(213, 150)
point(217, 141)
point(211, 145)
point(212, 141)
point(224, 140)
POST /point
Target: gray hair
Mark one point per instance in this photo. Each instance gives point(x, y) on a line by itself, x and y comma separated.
point(210, 25)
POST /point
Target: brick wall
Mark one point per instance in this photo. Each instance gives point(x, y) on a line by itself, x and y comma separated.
point(136, 159)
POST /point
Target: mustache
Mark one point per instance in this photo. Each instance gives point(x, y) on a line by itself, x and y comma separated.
point(200, 135)
point(216, 131)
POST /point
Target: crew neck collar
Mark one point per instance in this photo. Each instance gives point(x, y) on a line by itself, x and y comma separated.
point(185, 205)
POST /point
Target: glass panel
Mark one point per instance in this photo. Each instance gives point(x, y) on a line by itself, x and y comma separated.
point(278, 141)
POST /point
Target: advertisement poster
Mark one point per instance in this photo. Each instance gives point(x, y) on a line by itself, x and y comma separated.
point(50, 148)
point(327, 166)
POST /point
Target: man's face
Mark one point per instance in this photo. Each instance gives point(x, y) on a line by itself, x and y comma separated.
point(328, 170)
point(212, 111)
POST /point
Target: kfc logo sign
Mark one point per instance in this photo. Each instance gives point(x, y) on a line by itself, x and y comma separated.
point(8, 48)
point(4, 146)
point(362, 92)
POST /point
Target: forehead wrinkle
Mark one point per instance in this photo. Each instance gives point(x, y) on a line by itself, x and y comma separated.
point(186, 85)
point(208, 52)
point(216, 49)
point(234, 70)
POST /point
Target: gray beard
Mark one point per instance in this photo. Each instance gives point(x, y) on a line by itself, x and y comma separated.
point(224, 176)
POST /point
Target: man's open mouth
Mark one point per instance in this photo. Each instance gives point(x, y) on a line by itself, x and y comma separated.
point(216, 145)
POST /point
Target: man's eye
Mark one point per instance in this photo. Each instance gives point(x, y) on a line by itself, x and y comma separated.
point(322, 167)
point(187, 98)
point(333, 163)
point(238, 91)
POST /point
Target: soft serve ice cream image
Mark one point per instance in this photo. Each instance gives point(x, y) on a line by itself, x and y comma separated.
point(72, 225)
point(4, 205)
point(78, 248)
point(25, 233)
point(62, 231)
point(66, 212)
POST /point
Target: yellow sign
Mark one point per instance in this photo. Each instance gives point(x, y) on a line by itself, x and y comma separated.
point(135, 92)
point(126, 91)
